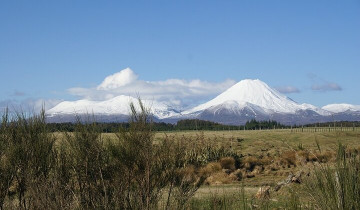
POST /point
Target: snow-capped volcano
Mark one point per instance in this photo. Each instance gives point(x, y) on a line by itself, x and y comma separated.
point(246, 100)
point(338, 108)
point(119, 105)
point(255, 93)
point(254, 99)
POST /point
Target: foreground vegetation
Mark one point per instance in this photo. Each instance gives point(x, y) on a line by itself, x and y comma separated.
point(136, 168)
point(86, 170)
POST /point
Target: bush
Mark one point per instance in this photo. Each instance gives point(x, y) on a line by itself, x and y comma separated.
point(26, 157)
point(83, 170)
point(250, 163)
point(211, 168)
point(227, 163)
point(288, 158)
point(220, 178)
point(323, 157)
point(336, 187)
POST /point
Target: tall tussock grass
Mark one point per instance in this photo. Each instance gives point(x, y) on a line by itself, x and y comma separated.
point(85, 170)
point(336, 186)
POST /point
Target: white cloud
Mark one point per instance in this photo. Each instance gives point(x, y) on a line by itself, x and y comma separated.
point(174, 91)
point(117, 80)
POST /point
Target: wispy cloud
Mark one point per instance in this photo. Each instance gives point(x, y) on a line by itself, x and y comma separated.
point(330, 86)
point(174, 91)
point(322, 85)
point(287, 89)
point(28, 105)
point(17, 93)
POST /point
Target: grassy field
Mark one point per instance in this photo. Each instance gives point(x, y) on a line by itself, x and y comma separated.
point(262, 144)
point(273, 141)
point(140, 169)
point(271, 144)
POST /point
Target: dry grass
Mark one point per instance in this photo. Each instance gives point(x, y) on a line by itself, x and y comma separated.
point(288, 158)
point(220, 178)
point(227, 163)
point(272, 155)
point(211, 168)
point(269, 156)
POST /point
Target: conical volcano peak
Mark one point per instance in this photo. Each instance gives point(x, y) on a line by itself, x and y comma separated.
point(251, 87)
point(251, 81)
point(256, 92)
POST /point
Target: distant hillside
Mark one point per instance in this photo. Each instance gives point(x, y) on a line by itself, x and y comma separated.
point(246, 100)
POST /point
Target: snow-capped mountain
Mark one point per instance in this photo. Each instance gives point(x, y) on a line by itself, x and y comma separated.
point(254, 99)
point(117, 106)
point(246, 100)
point(250, 93)
point(343, 112)
point(338, 108)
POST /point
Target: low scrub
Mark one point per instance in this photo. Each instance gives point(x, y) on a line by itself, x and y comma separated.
point(288, 158)
point(336, 186)
point(227, 163)
point(84, 170)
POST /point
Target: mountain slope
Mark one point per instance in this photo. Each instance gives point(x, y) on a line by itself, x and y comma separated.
point(256, 93)
point(254, 99)
point(246, 100)
point(119, 105)
point(338, 108)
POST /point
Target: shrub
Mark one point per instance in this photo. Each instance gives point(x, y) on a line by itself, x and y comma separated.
point(250, 162)
point(88, 164)
point(336, 187)
point(82, 170)
point(322, 157)
point(288, 158)
point(238, 174)
point(227, 163)
point(6, 169)
point(304, 154)
point(26, 156)
point(220, 178)
point(211, 168)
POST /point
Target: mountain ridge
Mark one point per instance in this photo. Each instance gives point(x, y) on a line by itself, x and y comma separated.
point(248, 99)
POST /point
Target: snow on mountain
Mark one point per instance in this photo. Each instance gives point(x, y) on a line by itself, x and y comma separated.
point(246, 100)
point(338, 108)
point(119, 105)
point(255, 93)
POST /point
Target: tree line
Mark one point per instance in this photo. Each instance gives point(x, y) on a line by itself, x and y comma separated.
point(181, 125)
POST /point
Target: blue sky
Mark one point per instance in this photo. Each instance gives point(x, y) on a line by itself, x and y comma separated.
point(309, 49)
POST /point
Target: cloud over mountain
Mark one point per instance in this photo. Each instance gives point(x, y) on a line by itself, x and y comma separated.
point(246, 100)
point(118, 79)
point(174, 91)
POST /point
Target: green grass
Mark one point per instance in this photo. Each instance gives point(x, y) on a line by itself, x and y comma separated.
point(274, 140)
